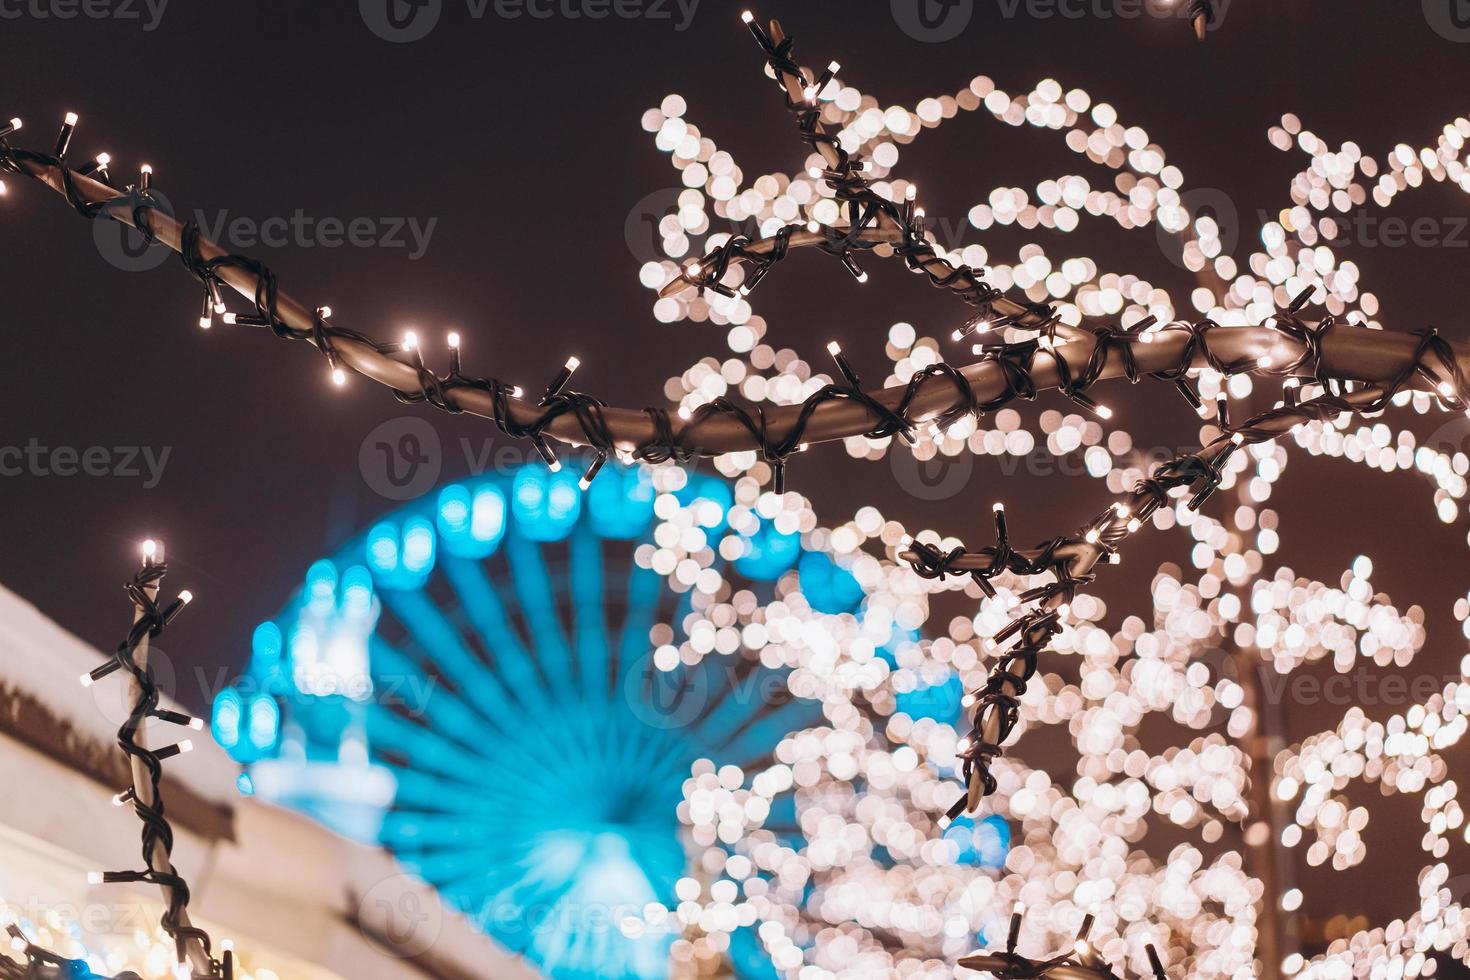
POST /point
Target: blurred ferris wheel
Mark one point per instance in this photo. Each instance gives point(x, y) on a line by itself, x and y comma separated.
point(489, 683)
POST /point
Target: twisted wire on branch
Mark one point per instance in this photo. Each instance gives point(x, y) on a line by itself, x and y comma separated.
point(191, 944)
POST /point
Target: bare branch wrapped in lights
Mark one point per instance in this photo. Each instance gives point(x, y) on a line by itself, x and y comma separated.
point(192, 945)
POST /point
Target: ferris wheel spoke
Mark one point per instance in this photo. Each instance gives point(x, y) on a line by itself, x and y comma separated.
point(589, 622)
point(537, 596)
point(395, 673)
point(487, 614)
point(645, 586)
point(444, 646)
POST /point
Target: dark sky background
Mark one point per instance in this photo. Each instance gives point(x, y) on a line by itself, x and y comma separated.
point(520, 139)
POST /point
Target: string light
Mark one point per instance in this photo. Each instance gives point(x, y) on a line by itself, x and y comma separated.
point(191, 944)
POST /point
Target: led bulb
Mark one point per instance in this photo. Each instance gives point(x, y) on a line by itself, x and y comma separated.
point(453, 339)
point(573, 364)
point(410, 340)
point(323, 311)
point(186, 597)
point(339, 377)
point(834, 348)
point(94, 877)
point(71, 118)
point(150, 548)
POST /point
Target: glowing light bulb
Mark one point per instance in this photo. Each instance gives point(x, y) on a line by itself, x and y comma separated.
point(453, 339)
point(94, 877)
point(71, 118)
point(339, 377)
point(573, 364)
point(410, 340)
point(186, 597)
point(150, 549)
point(834, 348)
point(1104, 412)
point(747, 16)
point(323, 311)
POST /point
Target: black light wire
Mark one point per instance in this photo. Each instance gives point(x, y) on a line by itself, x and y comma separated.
point(157, 833)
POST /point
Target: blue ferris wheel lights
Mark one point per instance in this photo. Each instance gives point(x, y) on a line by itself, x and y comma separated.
point(545, 504)
point(828, 587)
point(983, 843)
point(265, 723)
point(382, 548)
point(454, 511)
point(768, 553)
point(265, 645)
point(402, 558)
point(620, 502)
point(418, 546)
point(357, 592)
point(471, 524)
point(321, 584)
point(710, 499)
point(938, 702)
point(225, 722)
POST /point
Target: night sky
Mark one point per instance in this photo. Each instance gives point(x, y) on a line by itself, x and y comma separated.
point(499, 166)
